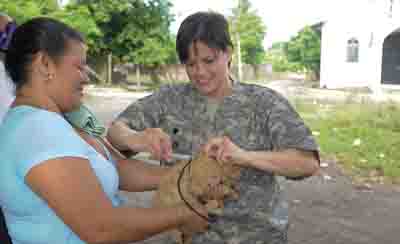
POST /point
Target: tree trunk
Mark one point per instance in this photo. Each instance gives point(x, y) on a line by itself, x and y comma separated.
point(138, 77)
point(99, 65)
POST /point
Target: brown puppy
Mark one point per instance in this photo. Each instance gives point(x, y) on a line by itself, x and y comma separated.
point(202, 181)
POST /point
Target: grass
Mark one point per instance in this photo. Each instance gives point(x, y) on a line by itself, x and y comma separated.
point(365, 138)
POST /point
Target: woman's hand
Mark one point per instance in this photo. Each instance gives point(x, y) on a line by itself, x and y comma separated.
point(224, 150)
point(156, 142)
point(152, 140)
point(194, 223)
point(292, 163)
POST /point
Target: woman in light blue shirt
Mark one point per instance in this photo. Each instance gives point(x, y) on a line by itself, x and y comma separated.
point(54, 186)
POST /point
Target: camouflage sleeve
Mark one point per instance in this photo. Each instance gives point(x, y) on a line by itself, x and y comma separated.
point(287, 129)
point(143, 113)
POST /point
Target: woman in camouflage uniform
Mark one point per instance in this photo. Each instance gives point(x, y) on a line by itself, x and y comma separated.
point(249, 125)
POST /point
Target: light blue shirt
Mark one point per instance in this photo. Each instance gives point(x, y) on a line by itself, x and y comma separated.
point(28, 137)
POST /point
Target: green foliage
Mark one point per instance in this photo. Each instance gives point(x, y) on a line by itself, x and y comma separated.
point(134, 31)
point(249, 27)
point(304, 51)
point(79, 18)
point(364, 137)
point(22, 10)
point(277, 57)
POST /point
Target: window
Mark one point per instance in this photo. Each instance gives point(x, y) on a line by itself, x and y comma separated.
point(352, 50)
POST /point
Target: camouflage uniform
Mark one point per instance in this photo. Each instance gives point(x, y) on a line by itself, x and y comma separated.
point(255, 118)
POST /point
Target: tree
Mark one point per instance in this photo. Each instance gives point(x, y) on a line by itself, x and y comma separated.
point(76, 16)
point(22, 10)
point(79, 17)
point(304, 51)
point(134, 31)
point(249, 28)
point(277, 57)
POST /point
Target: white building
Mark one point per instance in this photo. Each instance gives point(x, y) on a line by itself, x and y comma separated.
point(361, 46)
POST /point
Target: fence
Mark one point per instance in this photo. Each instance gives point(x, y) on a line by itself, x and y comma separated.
point(134, 74)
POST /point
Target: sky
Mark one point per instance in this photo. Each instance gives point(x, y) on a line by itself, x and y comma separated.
point(283, 18)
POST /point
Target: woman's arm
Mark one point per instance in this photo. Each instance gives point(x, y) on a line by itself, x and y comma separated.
point(152, 140)
point(124, 138)
point(136, 129)
point(292, 163)
point(136, 175)
point(71, 189)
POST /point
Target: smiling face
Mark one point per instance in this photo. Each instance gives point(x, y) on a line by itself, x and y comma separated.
point(69, 77)
point(208, 70)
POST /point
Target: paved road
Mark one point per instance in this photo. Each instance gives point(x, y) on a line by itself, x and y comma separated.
point(325, 209)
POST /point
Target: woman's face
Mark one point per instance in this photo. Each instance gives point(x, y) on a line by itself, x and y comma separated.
point(208, 70)
point(70, 77)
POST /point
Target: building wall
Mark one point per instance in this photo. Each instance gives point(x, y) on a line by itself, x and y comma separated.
point(336, 71)
point(370, 27)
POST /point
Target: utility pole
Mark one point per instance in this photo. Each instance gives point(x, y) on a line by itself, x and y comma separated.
point(240, 74)
point(109, 68)
point(391, 4)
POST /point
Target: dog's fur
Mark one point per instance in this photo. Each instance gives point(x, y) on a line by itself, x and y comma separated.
point(195, 187)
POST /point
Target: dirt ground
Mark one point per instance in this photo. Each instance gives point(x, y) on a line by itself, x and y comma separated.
point(325, 209)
